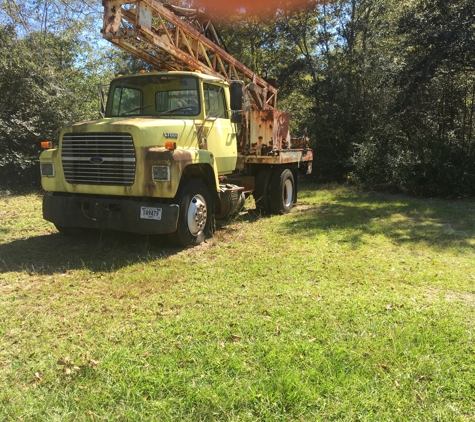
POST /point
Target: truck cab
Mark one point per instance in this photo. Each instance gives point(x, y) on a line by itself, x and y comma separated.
point(160, 130)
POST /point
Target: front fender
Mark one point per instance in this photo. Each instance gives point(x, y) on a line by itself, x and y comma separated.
point(178, 161)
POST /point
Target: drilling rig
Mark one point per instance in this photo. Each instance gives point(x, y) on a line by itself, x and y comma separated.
point(177, 146)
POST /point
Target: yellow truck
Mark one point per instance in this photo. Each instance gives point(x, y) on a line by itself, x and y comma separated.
point(176, 147)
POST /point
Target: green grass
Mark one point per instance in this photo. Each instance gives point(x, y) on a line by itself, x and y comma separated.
point(353, 307)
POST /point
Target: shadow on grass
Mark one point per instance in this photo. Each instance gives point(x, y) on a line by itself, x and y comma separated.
point(350, 217)
point(95, 251)
point(347, 217)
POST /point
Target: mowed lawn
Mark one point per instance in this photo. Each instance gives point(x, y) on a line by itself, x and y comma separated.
point(353, 307)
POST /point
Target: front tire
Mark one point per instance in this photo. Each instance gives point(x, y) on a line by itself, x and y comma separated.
point(282, 191)
point(194, 219)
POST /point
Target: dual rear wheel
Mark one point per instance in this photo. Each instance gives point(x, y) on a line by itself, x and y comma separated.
point(275, 191)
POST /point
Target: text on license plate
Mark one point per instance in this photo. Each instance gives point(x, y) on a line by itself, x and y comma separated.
point(151, 213)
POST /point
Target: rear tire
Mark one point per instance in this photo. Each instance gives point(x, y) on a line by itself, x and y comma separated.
point(282, 191)
point(261, 190)
point(195, 216)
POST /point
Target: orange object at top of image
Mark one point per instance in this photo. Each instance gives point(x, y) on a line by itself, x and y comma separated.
point(255, 6)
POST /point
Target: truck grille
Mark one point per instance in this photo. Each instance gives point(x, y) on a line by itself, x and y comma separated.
point(98, 158)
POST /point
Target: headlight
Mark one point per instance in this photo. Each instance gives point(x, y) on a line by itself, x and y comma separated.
point(47, 169)
point(161, 173)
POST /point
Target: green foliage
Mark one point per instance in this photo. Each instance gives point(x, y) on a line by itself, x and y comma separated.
point(426, 145)
point(49, 72)
point(334, 57)
point(388, 91)
point(436, 34)
point(43, 88)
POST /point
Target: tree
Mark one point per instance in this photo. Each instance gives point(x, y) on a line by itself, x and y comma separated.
point(49, 72)
point(427, 146)
point(332, 69)
point(42, 89)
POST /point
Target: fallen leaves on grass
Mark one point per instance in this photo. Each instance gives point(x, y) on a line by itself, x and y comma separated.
point(419, 396)
point(423, 378)
point(36, 381)
point(70, 366)
point(236, 337)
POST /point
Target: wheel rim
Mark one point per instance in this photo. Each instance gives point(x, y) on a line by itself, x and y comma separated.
point(197, 215)
point(288, 192)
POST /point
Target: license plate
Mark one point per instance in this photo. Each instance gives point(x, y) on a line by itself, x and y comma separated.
point(151, 213)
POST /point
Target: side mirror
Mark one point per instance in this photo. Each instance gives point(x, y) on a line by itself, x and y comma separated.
point(236, 117)
point(235, 89)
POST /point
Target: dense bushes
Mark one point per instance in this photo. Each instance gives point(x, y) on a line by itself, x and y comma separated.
point(392, 101)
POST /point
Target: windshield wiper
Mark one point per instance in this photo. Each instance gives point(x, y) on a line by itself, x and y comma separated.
point(173, 109)
point(135, 109)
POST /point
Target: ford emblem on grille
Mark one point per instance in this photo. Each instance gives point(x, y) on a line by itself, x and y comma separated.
point(96, 160)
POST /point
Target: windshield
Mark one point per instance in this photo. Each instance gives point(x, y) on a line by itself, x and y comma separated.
point(164, 96)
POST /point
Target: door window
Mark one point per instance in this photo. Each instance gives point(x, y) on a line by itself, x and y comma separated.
point(215, 103)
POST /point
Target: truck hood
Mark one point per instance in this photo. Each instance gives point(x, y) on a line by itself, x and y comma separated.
point(145, 131)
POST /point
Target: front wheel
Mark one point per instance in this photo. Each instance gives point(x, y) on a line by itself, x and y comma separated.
point(282, 191)
point(194, 219)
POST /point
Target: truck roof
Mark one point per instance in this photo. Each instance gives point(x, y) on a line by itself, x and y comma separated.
point(197, 74)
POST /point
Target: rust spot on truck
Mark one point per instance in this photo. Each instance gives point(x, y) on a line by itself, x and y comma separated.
point(176, 159)
point(112, 17)
point(269, 130)
point(286, 156)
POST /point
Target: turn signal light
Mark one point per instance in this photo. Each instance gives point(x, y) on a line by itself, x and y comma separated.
point(170, 145)
point(46, 144)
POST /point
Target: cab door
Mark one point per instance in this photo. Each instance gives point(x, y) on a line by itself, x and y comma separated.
point(221, 137)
